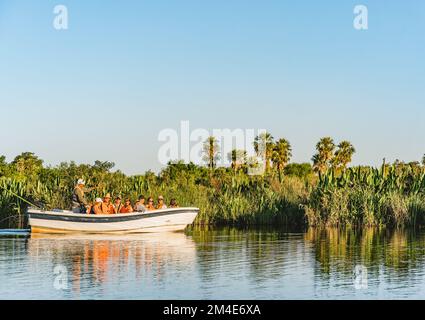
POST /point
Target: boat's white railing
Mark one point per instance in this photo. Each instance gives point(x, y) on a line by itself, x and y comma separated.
point(70, 213)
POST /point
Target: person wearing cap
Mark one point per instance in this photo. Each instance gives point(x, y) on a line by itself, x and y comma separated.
point(161, 204)
point(97, 207)
point(79, 201)
point(117, 204)
point(107, 206)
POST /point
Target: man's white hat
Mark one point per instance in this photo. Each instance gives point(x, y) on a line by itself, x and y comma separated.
point(81, 181)
point(98, 199)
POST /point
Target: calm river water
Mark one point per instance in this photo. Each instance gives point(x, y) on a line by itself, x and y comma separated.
point(216, 264)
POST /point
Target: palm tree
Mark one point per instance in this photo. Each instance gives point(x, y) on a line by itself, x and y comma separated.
point(343, 155)
point(325, 153)
point(252, 165)
point(211, 152)
point(281, 155)
point(237, 157)
point(263, 146)
point(423, 160)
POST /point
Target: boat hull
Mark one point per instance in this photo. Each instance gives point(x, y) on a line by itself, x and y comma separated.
point(174, 219)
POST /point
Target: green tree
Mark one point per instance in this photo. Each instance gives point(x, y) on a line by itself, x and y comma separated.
point(282, 153)
point(343, 155)
point(325, 152)
point(237, 158)
point(27, 163)
point(301, 170)
point(211, 151)
point(104, 166)
point(263, 146)
point(252, 163)
point(3, 166)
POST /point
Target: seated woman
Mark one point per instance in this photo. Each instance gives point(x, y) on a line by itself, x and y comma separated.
point(173, 203)
point(161, 204)
point(150, 206)
point(127, 208)
point(97, 207)
point(140, 206)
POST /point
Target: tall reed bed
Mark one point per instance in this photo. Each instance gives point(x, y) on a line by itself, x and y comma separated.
point(246, 200)
point(12, 208)
point(393, 195)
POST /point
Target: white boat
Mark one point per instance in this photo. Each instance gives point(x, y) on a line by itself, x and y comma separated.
point(61, 221)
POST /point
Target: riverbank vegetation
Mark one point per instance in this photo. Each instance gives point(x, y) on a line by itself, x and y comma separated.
point(326, 192)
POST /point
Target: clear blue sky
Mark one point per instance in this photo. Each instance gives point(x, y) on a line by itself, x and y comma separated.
point(124, 70)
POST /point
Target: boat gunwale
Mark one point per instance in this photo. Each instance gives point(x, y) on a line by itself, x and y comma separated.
point(106, 218)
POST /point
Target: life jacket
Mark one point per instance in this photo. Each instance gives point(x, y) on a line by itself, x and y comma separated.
point(109, 208)
point(161, 206)
point(125, 209)
point(150, 207)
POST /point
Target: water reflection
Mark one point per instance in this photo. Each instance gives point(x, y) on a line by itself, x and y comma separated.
point(94, 260)
point(224, 263)
point(393, 258)
point(316, 263)
point(263, 253)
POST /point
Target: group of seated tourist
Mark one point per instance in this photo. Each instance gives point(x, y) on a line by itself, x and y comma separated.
point(105, 205)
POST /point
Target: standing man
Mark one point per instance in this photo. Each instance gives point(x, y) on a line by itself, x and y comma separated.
point(79, 201)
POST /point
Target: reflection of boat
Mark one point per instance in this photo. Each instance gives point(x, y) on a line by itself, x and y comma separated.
point(171, 238)
point(169, 243)
point(167, 239)
point(119, 260)
point(172, 219)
